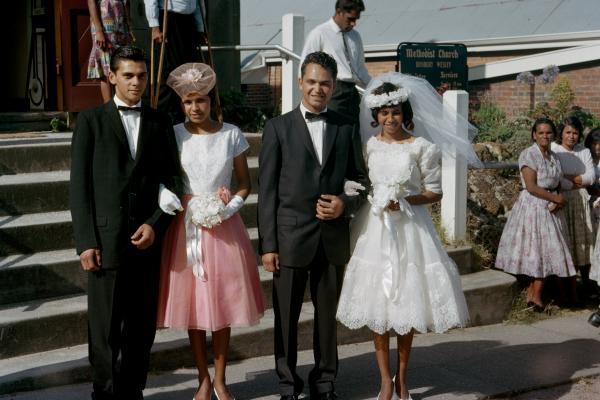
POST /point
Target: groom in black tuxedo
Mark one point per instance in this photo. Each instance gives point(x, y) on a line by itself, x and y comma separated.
point(121, 152)
point(303, 215)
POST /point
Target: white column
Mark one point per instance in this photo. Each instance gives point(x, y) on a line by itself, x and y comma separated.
point(454, 172)
point(292, 37)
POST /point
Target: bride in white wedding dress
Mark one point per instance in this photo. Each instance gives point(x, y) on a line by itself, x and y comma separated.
point(400, 277)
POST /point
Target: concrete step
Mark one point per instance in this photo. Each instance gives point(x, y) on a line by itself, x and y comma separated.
point(30, 121)
point(35, 153)
point(34, 192)
point(488, 293)
point(32, 233)
point(42, 152)
point(48, 324)
point(27, 277)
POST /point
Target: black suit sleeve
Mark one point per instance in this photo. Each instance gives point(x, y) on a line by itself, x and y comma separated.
point(170, 172)
point(356, 171)
point(81, 188)
point(268, 184)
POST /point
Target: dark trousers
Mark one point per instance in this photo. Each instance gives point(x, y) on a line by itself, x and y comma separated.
point(345, 100)
point(289, 284)
point(122, 306)
point(180, 48)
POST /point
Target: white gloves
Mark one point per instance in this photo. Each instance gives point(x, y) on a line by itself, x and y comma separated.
point(596, 203)
point(351, 188)
point(168, 201)
point(232, 207)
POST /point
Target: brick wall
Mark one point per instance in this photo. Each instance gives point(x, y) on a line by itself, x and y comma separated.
point(512, 96)
point(515, 97)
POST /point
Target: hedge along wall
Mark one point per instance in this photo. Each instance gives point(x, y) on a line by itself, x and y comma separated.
point(512, 96)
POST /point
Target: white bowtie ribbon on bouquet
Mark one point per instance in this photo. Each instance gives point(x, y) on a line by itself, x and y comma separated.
point(392, 190)
point(204, 211)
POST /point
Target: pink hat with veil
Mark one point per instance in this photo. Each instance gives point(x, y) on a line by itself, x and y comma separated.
point(192, 77)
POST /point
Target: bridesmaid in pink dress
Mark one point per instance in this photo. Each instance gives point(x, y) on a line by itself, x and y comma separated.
point(209, 276)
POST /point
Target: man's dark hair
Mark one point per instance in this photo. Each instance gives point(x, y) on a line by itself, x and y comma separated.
point(572, 122)
point(350, 5)
point(320, 58)
point(407, 111)
point(130, 53)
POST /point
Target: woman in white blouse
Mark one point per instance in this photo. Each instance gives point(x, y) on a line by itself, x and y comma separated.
point(578, 174)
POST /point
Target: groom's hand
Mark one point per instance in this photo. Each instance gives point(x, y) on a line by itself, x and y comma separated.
point(329, 207)
point(270, 262)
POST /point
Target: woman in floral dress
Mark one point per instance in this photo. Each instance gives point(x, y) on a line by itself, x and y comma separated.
point(533, 241)
point(110, 29)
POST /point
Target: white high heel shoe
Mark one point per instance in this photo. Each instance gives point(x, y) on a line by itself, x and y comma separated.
point(395, 396)
point(217, 395)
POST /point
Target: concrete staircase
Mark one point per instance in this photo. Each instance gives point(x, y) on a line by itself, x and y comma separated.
point(43, 313)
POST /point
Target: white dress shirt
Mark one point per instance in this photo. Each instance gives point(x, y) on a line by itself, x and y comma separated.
point(131, 123)
point(153, 8)
point(316, 128)
point(350, 58)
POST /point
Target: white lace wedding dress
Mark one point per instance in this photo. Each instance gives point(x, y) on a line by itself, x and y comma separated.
point(399, 276)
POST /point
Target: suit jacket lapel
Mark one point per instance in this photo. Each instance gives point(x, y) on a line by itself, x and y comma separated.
point(117, 125)
point(304, 133)
point(329, 136)
point(144, 129)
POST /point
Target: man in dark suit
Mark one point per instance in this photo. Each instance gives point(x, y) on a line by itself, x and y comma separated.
point(306, 156)
point(121, 152)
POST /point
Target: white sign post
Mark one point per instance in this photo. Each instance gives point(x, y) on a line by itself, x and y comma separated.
point(292, 37)
point(454, 172)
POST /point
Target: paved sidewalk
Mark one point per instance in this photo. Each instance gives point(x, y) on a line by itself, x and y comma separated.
point(472, 363)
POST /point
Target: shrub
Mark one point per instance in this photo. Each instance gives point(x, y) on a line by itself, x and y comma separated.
point(236, 111)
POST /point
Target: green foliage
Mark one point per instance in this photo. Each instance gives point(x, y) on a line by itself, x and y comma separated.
point(238, 112)
point(58, 125)
point(563, 96)
point(588, 120)
point(489, 116)
point(492, 123)
point(520, 140)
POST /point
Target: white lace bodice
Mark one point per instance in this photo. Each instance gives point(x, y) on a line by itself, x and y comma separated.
point(207, 160)
point(388, 162)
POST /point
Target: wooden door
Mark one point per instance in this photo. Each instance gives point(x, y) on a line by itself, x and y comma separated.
point(79, 92)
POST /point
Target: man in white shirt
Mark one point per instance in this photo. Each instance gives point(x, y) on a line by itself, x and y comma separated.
point(338, 38)
point(185, 31)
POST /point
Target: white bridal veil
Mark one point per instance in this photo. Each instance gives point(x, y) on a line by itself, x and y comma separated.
point(432, 120)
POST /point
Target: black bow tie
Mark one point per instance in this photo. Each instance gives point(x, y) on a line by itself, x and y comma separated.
point(125, 108)
point(313, 117)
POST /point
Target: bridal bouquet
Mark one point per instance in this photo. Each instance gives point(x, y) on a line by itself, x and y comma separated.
point(206, 209)
point(392, 189)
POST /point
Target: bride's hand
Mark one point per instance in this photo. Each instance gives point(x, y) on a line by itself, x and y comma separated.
point(393, 206)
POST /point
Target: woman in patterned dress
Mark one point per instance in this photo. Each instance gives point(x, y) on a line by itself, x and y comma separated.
point(110, 29)
point(533, 241)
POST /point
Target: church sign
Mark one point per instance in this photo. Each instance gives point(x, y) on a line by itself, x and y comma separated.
point(444, 66)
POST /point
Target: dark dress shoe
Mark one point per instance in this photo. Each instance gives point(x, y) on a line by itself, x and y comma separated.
point(327, 396)
point(595, 319)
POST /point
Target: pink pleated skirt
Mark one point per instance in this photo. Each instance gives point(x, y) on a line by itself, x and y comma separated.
point(231, 296)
